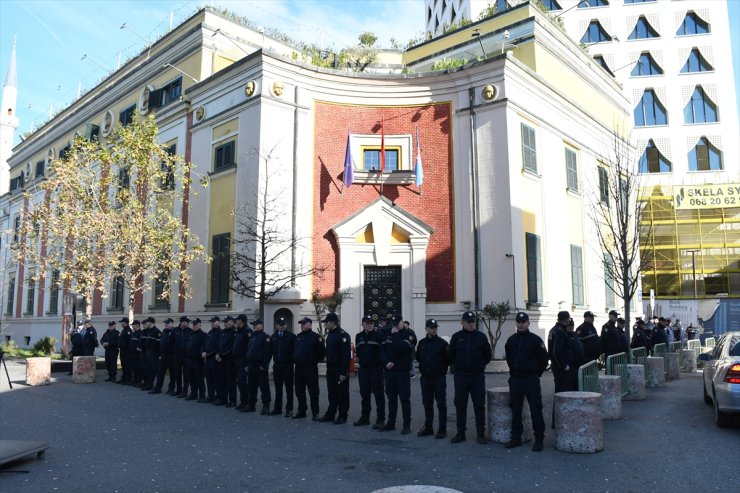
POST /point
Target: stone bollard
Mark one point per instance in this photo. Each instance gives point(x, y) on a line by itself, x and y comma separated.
point(38, 371)
point(611, 396)
point(672, 368)
point(636, 383)
point(579, 427)
point(655, 376)
point(499, 416)
point(83, 369)
point(689, 360)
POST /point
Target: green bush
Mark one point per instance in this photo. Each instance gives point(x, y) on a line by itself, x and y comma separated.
point(45, 346)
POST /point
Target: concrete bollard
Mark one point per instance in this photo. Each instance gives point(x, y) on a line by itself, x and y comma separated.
point(499, 416)
point(83, 369)
point(689, 360)
point(672, 368)
point(38, 371)
point(611, 396)
point(579, 427)
point(655, 376)
point(636, 383)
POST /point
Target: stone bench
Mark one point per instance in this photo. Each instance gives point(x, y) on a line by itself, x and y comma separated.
point(672, 366)
point(610, 387)
point(655, 376)
point(38, 371)
point(499, 416)
point(83, 369)
point(688, 357)
point(579, 426)
point(636, 383)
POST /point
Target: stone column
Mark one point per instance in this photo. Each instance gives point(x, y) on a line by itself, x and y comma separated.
point(636, 385)
point(655, 376)
point(611, 396)
point(689, 360)
point(672, 368)
point(83, 369)
point(579, 427)
point(499, 416)
point(38, 371)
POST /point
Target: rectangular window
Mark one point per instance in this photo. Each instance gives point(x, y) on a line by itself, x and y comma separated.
point(16, 229)
point(609, 283)
point(40, 166)
point(224, 156)
point(534, 268)
point(603, 186)
point(172, 91)
point(16, 183)
point(54, 292)
point(371, 159)
point(529, 149)
point(126, 115)
point(116, 293)
point(160, 285)
point(11, 295)
point(30, 295)
point(220, 268)
point(576, 274)
point(571, 169)
point(168, 172)
point(64, 151)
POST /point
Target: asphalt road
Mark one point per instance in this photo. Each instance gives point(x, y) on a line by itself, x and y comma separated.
point(107, 438)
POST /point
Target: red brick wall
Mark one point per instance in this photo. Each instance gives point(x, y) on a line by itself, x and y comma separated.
point(434, 205)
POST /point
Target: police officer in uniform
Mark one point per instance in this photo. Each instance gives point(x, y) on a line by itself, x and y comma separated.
point(612, 339)
point(282, 346)
point(143, 356)
point(589, 337)
point(433, 355)
point(470, 352)
point(640, 338)
point(89, 338)
point(659, 334)
point(397, 355)
point(527, 359)
point(562, 358)
point(153, 350)
point(135, 355)
point(370, 373)
point(241, 343)
point(180, 336)
point(309, 350)
point(226, 383)
point(77, 349)
point(110, 344)
point(164, 363)
point(258, 354)
point(209, 356)
point(124, 346)
point(195, 364)
point(338, 353)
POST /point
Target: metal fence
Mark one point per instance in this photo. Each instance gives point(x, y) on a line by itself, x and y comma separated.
point(661, 351)
point(709, 342)
point(638, 356)
point(694, 344)
point(616, 364)
point(588, 377)
point(673, 347)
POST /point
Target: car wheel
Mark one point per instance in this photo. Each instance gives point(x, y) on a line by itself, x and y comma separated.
point(721, 419)
point(707, 399)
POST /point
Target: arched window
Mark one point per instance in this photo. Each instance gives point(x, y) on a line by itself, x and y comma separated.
point(652, 161)
point(696, 63)
point(643, 30)
point(649, 111)
point(705, 157)
point(646, 65)
point(601, 61)
point(692, 24)
point(700, 109)
point(595, 33)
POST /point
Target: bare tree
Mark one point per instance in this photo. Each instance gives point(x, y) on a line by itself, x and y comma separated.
point(261, 257)
point(494, 312)
point(618, 216)
point(327, 304)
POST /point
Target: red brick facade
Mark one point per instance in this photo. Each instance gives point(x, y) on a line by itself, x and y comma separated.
point(434, 205)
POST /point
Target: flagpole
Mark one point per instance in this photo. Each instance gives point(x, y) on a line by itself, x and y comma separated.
point(382, 151)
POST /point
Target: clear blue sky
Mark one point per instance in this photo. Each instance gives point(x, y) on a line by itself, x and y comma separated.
point(53, 35)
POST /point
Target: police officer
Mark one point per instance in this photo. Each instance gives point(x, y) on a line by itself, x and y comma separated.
point(152, 351)
point(433, 355)
point(527, 359)
point(397, 355)
point(226, 383)
point(180, 335)
point(470, 352)
point(135, 355)
point(691, 332)
point(210, 349)
point(241, 343)
point(282, 346)
point(370, 373)
point(338, 353)
point(640, 338)
point(659, 334)
point(309, 350)
point(612, 339)
point(258, 361)
point(164, 363)
point(575, 345)
point(562, 358)
point(77, 349)
point(196, 365)
point(124, 346)
point(110, 344)
point(89, 338)
point(144, 356)
point(589, 337)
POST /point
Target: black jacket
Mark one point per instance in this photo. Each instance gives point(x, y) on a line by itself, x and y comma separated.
point(226, 343)
point(309, 349)
point(398, 349)
point(258, 352)
point(525, 354)
point(111, 337)
point(470, 352)
point(559, 349)
point(180, 340)
point(89, 340)
point(590, 340)
point(212, 340)
point(338, 349)
point(659, 336)
point(166, 343)
point(135, 340)
point(77, 348)
point(196, 344)
point(241, 342)
point(124, 340)
point(155, 335)
point(612, 340)
point(576, 347)
point(433, 355)
point(282, 347)
point(367, 345)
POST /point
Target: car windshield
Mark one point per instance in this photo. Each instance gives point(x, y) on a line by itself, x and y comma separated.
point(734, 347)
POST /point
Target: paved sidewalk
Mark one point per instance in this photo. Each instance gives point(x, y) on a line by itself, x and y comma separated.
point(106, 437)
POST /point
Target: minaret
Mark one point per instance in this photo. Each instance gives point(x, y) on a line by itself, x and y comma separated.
point(8, 121)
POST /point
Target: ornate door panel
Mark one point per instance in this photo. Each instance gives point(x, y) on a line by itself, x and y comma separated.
point(382, 288)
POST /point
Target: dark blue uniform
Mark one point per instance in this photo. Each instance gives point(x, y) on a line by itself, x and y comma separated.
point(258, 354)
point(309, 350)
point(612, 340)
point(194, 349)
point(110, 343)
point(211, 349)
point(590, 340)
point(226, 384)
point(179, 343)
point(470, 352)
point(89, 340)
point(433, 355)
point(527, 359)
point(338, 353)
point(241, 343)
point(152, 354)
point(137, 375)
point(658, 336)
point(398, 349)
point(77, 348)
point(165, 361)
point(370, 374)
point(144, 359)
point(124, 345)
point(282, 346)
point(563, 359)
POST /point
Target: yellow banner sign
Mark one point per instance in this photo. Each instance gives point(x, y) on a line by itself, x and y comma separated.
point(706, 196)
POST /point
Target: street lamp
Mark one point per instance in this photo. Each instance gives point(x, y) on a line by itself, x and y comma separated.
point(149, 44)
point(85, 56)
point(476, 34)
point(693, 267)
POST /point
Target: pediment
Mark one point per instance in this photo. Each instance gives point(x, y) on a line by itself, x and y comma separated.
point(386, 221)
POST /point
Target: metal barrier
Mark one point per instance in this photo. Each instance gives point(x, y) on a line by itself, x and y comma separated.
point(661, 351)
point(616, 364)
point(694, 344)
point(709, 342)
point(673, 347)
point(638, 356)
point(588, 377)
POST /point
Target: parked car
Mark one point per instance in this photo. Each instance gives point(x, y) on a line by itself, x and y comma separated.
point(722, 378)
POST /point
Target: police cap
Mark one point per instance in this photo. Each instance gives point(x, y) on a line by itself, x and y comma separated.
point(522, 317)
point(432, 323)
point(468, 317)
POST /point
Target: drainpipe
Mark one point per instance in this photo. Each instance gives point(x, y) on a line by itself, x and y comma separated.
point(474, 193)
point(294, 207)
